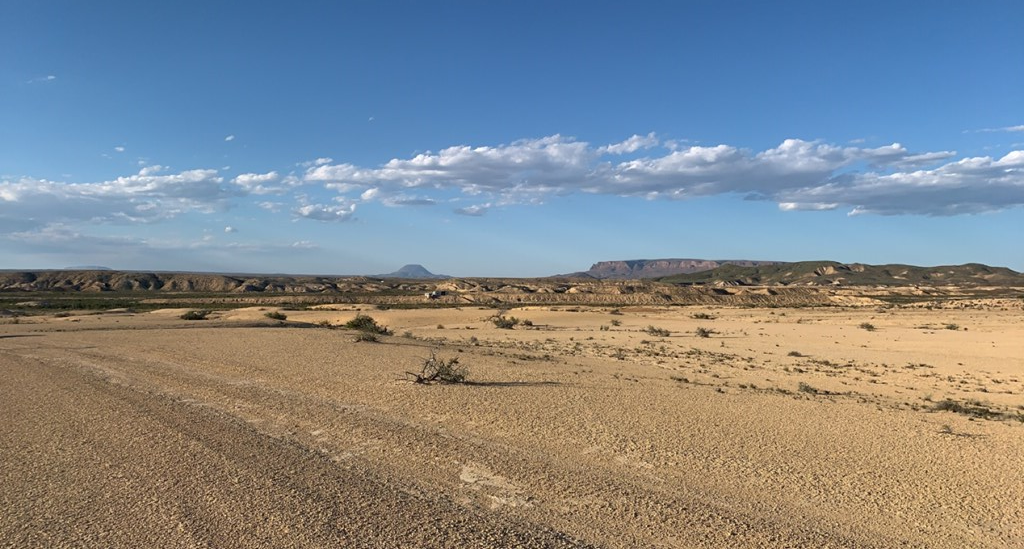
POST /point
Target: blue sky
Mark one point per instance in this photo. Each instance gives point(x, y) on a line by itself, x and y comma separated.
point(508, 138)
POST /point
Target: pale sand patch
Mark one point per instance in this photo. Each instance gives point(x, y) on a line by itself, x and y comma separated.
point(612, 436)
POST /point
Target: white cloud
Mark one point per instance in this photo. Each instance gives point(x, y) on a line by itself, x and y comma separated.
point(1017, 128)
point(630, 145)
point(42, 79)
point(797, 174)
point(230, 138)
point(475, 210)
point(119, 149)
point(258, 183)
point(407, 200)
point(318, 162)
point(321, 212)
point(229, 229)
point(806, 206)
point(143, 197)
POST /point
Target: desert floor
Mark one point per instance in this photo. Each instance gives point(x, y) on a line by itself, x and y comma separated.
point(783, 428)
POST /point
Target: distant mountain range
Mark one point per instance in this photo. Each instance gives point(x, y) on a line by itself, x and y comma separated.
point(657, 268)
point(822, 273)
point(412, 271)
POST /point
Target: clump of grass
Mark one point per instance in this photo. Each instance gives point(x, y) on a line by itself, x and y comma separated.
point(437, 370)
point(702, 316)
point(969, 408)
point(658, 332)
point(366, 323)
point(616, 322)
point(618, 312)
point(604, 328)
point(505, 322)
point(795, 353)
point(407, 335)
point(867, 326)
point(276, 315)
point(703, 332)
point(325, 324)
point(806, 388)
point(195, 315)
point(951, 327)
point(526, 322)
point(366, 337)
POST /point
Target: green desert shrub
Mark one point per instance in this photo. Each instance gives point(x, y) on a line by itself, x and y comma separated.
point(366, 323)
point(505, 322)
point(806, 388)
point(276, 315)
point(656, 331)
point(195, 315)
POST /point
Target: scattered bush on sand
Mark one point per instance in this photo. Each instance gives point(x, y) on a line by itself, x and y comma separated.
point(867, 326)
point(276, 315)
point(366, 323)
point(366, 337)
point(805, 388)
point(438, 370)
point(505, 322)
point(656, 331)
point(195, 315)
point(703, 332)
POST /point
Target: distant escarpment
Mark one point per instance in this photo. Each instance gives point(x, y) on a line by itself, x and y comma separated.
point(832, 273)
point(657, 268)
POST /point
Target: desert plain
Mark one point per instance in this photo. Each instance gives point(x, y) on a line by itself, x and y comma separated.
point(855, 425)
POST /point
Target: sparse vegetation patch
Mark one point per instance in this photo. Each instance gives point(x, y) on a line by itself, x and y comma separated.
point(276, 315)
point(656, 331)
point(366, 337)
point(195, 315)
point(366, 323)
point(437, 370)
point(505, 322)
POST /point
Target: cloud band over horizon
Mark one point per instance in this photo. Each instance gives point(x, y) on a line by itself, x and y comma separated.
point(797, 175)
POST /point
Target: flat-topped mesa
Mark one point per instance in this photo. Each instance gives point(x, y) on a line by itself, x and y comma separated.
point(656, 268)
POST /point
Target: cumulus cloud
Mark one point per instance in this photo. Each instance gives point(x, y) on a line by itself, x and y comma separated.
point(475, 210)
point(149, 195)
point(230, 138)
point(796, 174)
point(631, 145)
point(323, 212)
point(229, 229)
point(119, 149)
point(258, 183)
point(42, 79)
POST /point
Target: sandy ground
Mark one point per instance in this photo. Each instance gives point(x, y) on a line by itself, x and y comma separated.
point(783, 428)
